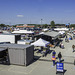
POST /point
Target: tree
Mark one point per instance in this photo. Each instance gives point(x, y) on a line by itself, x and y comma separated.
point(72, 25)
point(2, 25)
point(45, 25)
point(52, 24)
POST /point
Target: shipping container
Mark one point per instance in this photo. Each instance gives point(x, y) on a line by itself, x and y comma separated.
point(19, 54)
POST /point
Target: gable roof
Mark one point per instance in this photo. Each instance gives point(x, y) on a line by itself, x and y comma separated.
point(40, 42)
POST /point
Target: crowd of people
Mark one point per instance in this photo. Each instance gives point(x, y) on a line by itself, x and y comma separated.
point(61, 45)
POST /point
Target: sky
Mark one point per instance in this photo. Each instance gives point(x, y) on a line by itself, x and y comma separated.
point(32, 11)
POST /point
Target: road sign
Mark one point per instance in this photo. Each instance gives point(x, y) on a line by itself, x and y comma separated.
point(59, 67)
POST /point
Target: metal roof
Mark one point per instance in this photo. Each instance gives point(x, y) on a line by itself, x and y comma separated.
point(14, 46)
point(52, 34)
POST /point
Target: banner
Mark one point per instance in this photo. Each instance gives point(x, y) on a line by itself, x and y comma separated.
point(59, 67)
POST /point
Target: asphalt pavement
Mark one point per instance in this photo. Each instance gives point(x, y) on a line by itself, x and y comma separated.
point(44, 65)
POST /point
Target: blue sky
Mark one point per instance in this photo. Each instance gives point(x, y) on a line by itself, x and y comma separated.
point(32, 11)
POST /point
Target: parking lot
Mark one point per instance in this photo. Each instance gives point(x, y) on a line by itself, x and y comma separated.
point(43, 65)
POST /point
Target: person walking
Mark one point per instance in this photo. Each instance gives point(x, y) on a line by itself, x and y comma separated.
point(59, 56)
point(62, 45)
point(53, 59)
point(73, 47)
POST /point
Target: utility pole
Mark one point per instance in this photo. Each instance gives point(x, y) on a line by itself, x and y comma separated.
point(30, 21)
point(41, 21)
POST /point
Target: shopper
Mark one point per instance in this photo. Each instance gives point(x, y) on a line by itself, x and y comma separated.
point(53, 59)
point(59, 56)
point(62, 45)
point(73, 47)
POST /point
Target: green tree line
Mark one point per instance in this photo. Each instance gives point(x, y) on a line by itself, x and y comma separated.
point(51, 25)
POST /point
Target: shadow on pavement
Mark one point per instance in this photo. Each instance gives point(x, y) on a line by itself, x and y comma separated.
point(61, 73)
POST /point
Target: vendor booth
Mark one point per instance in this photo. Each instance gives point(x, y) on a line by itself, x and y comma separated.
point(22, 32)
point(43, 45)
point(40, 42)
point(52, 37)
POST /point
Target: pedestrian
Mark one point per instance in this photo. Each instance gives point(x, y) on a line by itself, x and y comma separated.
point(53, 59)
point(73, 47)
point(59, 56)
point(62, 45)
point(66, 36)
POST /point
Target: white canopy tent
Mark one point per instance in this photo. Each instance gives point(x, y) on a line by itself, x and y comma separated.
point(61, 32)
point(61, 29)
point(41, 33)
point(45, 29)
point(23, 32)
point(40, 42)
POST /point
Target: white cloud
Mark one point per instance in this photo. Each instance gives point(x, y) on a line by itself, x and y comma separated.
point(20, 15)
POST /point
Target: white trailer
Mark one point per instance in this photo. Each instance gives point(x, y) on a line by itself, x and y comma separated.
point(12, 38)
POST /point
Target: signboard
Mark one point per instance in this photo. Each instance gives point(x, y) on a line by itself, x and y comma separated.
point(59, 67)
